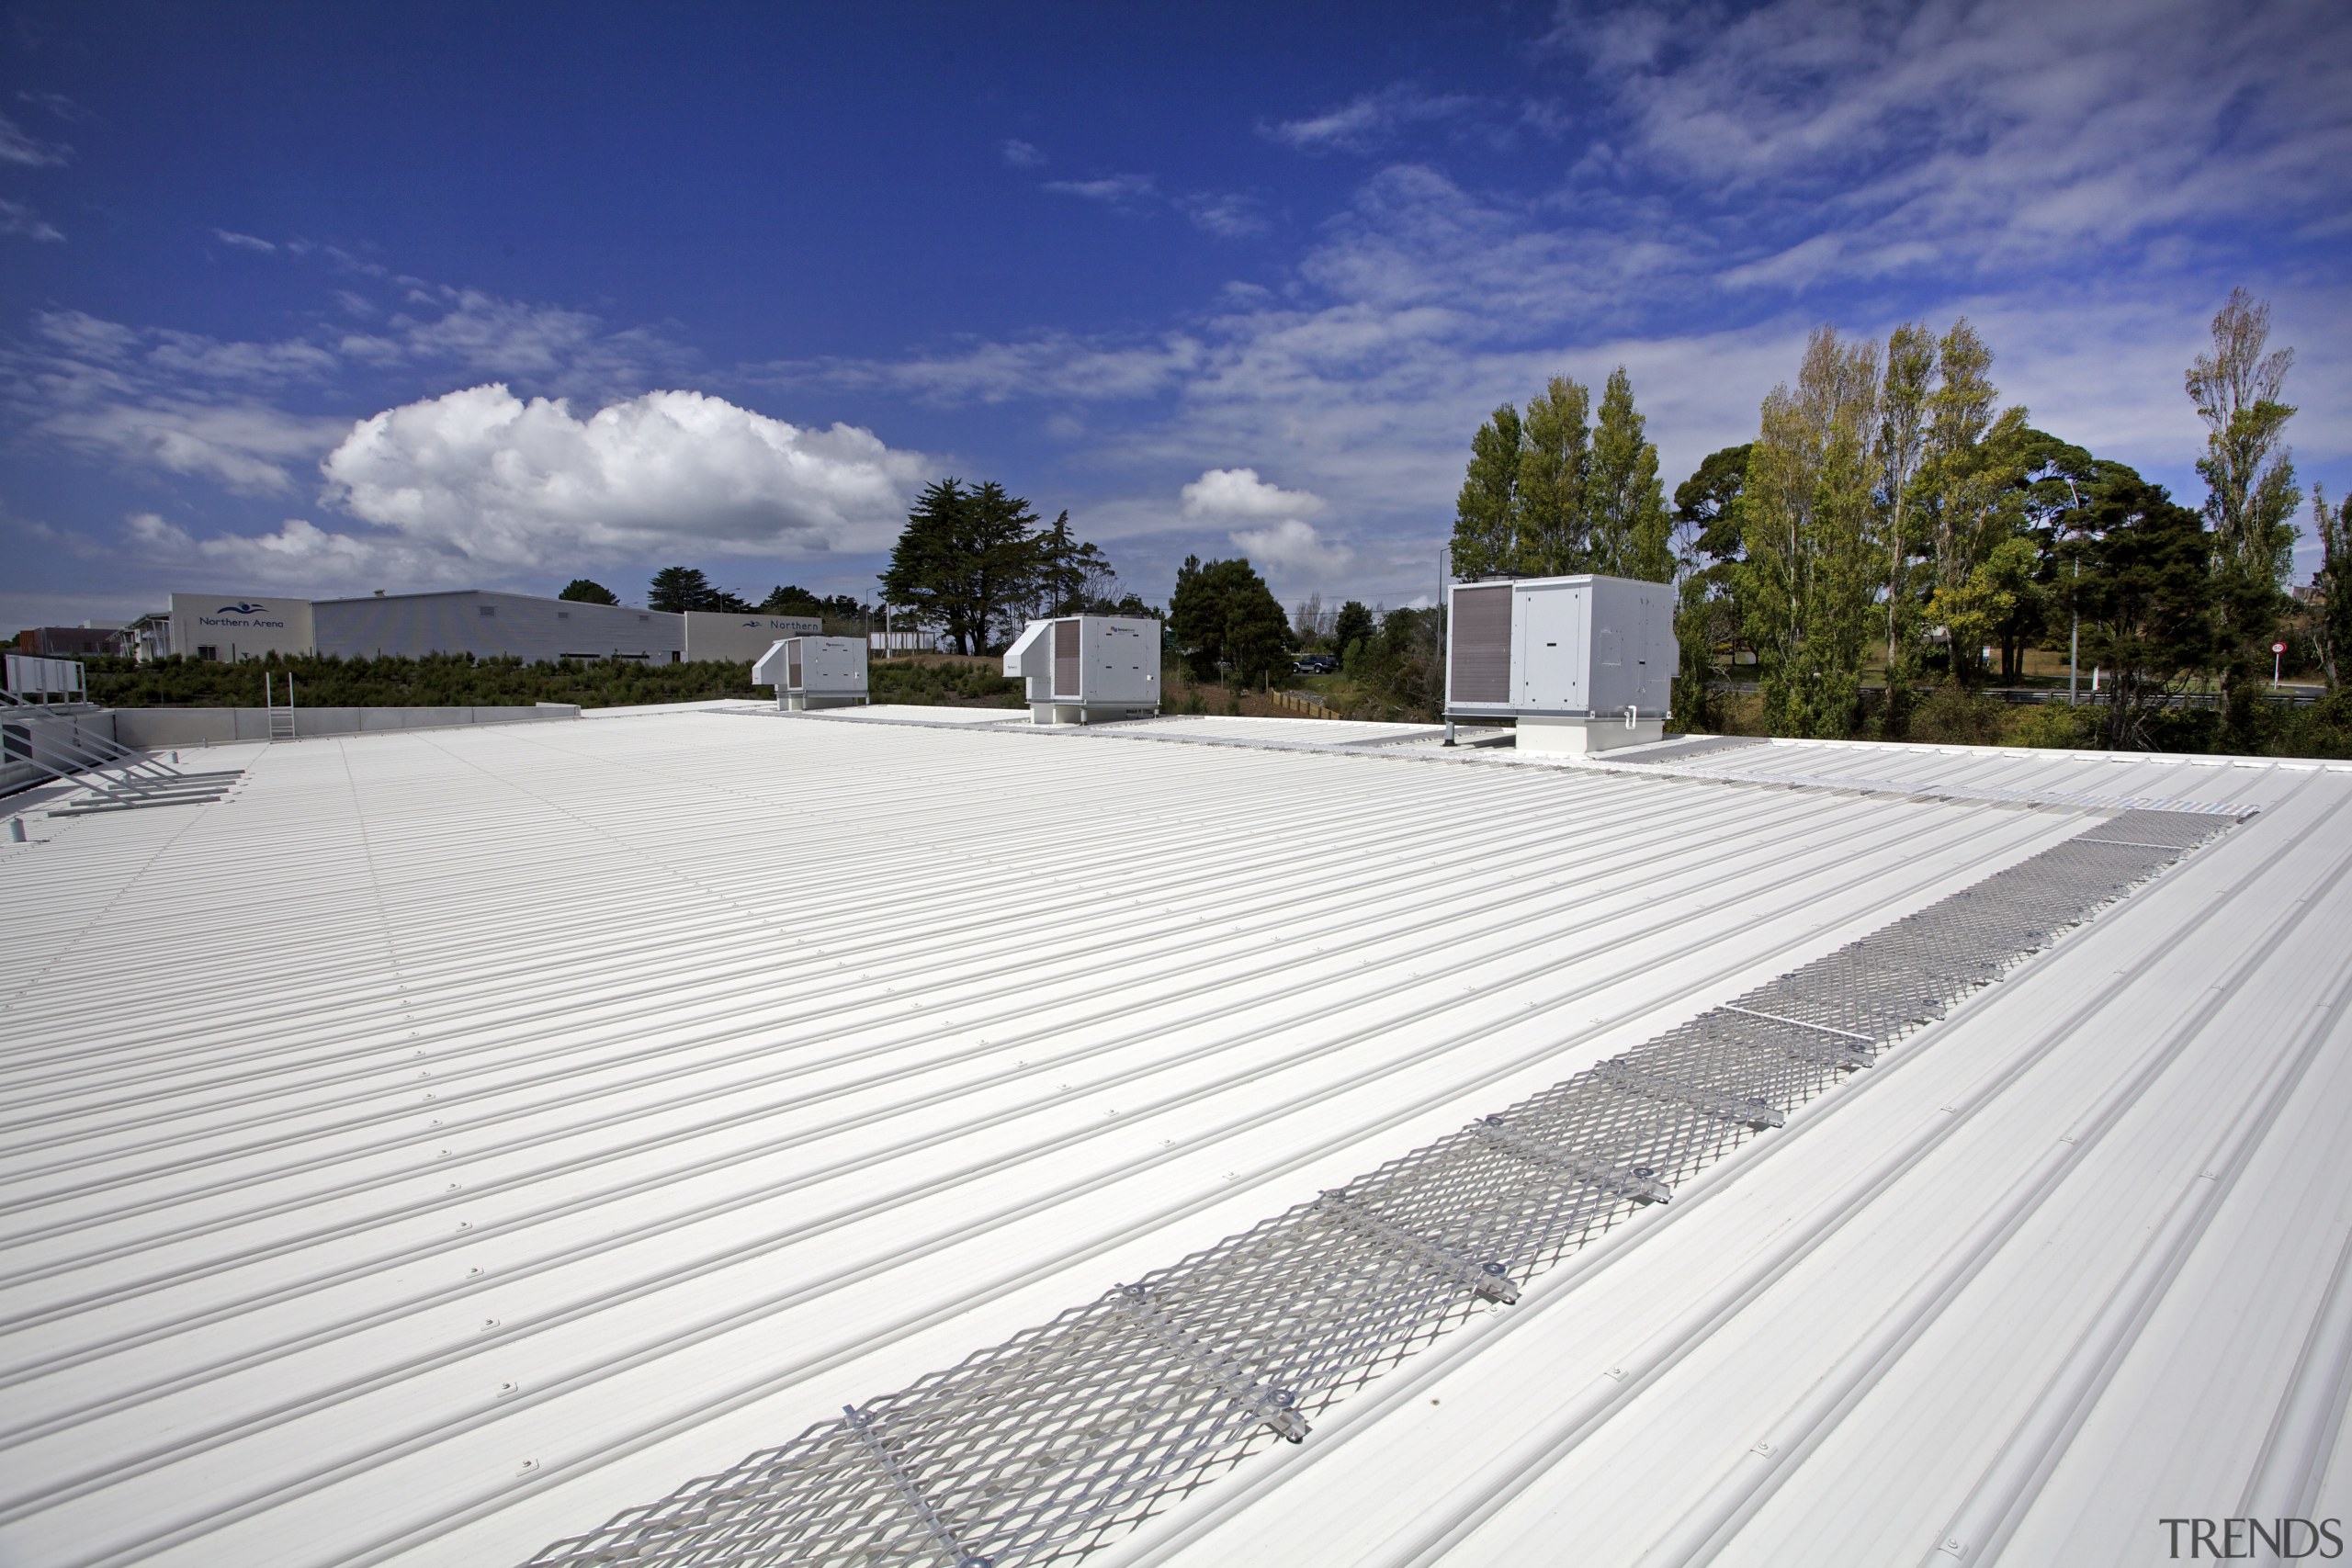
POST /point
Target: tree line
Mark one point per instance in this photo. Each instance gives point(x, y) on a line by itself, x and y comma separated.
point(1892, 517)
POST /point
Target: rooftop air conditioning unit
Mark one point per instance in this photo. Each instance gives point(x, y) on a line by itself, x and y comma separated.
point(1583, 663)
point(1086, 668)
point(814, 672)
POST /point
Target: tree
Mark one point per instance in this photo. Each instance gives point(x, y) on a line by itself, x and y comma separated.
point(1902, 434)
point(678, 589)
point(2148, 621)
point(1707, 511)
point(1225, 620)
point(580, 591)
point(1550, 531)
point(1998, 603)
point(790, 599)
point(1073, 577)
point(2332, 626)
point(1624, 506)
point(1707, 505)
point(1352, 625)
point(2251, 494)
point(1486, 511)
point(1807, 573)
point(964, 558)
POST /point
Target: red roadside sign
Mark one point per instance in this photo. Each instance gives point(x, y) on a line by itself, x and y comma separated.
point(2277, 648)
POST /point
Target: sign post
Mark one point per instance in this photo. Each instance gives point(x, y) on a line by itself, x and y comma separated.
point(2278, 654)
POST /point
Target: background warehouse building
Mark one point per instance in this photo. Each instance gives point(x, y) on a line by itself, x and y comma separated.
point(1748, 1153)
point(484, 624)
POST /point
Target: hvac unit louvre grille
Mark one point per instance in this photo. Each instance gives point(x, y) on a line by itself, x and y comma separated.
point(1069, 1434)
point(1069, 648)
point(792, 664)
point(1481, 633)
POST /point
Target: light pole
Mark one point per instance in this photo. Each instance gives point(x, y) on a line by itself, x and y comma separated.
point(1444, 636)
point(2074, 637)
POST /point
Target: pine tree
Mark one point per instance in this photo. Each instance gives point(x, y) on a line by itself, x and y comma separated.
point(681, 588)
point(583, 591)
point(1227, 620)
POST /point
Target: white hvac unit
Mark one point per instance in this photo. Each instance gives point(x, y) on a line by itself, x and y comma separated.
point(814, 672)
point(1086, 668)
point(1583, 663)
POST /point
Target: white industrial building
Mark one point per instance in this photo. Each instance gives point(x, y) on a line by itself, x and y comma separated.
point(229, 627)
point(1087, 669)
point(496, 625)
point(1581, 664)
point(443, 1147)
point(715, 635)
point(485, 623)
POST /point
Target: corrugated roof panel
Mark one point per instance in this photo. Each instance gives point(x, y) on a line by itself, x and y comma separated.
point(778, 1061)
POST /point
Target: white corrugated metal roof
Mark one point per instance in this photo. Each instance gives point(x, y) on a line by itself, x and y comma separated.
point(458, 1137)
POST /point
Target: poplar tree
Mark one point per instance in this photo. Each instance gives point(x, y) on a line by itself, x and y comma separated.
point(2333, 627)
point(1625, 505)
point(2251, 494)
point(1903, 430)
point(1485, 513)
point(1553, 536)
point(1810, 572)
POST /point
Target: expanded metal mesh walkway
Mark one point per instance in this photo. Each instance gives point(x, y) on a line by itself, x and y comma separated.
point(1069, 1434)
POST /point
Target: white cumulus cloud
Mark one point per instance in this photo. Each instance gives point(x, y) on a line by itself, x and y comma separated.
point(1239, 492)
point(485, 475)
point(1293, 546)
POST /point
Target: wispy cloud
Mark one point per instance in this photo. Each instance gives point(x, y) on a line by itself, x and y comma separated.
point(1111, 190)
point(239, 412)
point(243, 241)
point(1228, 215)
point(16, 147)
point(1020, 154)
point(1862, 142)
point(57, 104)
point(15, 218)
point(1056, 366)
point(1369, 121)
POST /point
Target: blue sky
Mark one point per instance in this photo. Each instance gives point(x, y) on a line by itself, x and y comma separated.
point(326, 299)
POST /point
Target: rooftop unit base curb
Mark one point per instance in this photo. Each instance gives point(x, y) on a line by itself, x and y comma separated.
point(1583, 737)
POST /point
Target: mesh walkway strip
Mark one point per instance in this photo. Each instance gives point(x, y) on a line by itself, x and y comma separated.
point(1071, 1434)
